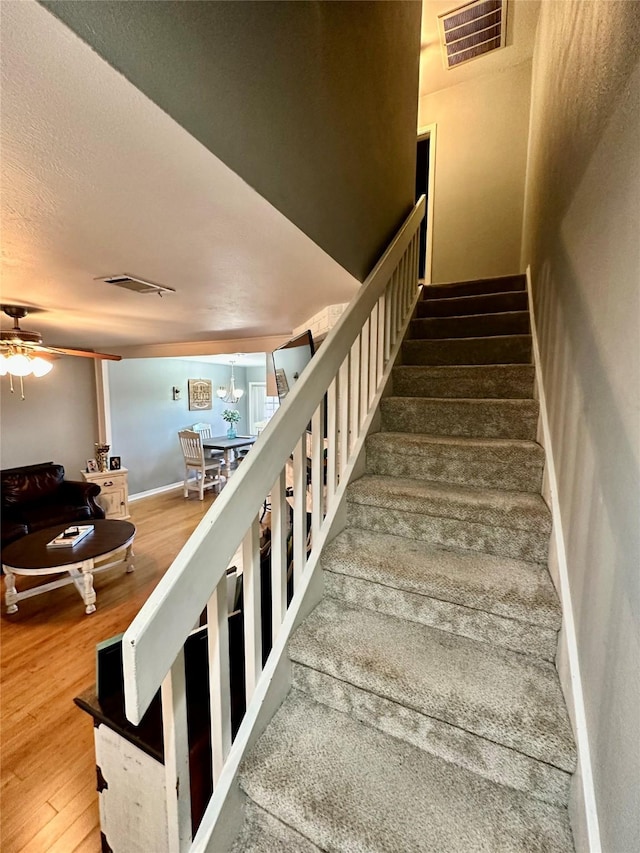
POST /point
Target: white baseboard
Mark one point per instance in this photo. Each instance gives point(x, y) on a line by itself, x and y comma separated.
point(582, 806)
point(160, 490)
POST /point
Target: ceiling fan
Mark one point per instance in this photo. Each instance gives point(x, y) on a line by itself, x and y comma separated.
point(22, 352)
point(32, 341)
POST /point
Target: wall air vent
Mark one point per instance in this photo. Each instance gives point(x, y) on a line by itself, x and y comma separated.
point(139, 285)
point(472, 30)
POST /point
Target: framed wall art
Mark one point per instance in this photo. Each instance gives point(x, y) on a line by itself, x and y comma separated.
point(200, 394)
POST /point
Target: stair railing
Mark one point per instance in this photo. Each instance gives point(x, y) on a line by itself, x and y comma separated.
point(349, 372)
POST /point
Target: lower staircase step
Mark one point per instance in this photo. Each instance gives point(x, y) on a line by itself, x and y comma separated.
point(348, 787)
point(510, 524)
point(488, 462)
point(504, 349)
point(471, 418)
point(263, 833)
point(471, 326)
point(506, 602)
point(510, 381)
point(507, 698)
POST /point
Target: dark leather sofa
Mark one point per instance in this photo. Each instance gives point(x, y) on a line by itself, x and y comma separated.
point(37, 496)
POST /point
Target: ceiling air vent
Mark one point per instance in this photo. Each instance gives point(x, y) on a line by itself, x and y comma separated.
point(139, 285)
point(472, 30)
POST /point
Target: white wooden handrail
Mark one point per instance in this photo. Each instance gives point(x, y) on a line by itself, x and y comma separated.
point(348, 370)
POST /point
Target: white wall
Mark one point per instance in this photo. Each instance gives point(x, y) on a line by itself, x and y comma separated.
point(581, 237)
point(482, 128)
point(57, 420)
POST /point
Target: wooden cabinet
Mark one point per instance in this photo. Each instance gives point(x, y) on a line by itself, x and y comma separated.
point(114, 491)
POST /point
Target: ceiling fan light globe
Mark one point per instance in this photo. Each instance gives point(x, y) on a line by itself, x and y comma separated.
point(40, 366)
point(19, 365)
point(3, 365)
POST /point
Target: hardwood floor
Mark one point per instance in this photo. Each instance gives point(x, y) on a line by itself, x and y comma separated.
point(48, 797)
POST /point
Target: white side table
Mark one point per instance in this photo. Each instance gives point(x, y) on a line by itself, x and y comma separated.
point(114, 491)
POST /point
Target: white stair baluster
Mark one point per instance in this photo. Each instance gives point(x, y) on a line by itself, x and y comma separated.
point(219, 683)
point(252, 613)
point(382, 353)
point(373, 355)
point(354, 394)
point(364, 372)
point(343, 415)
point(317, 472)
point(299, 510)
point(332, 444)
point(279, 564)
point(176, 756)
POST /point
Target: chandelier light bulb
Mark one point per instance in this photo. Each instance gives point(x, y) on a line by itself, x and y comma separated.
point(40, 366)
point(19, 365)
point(221, 392)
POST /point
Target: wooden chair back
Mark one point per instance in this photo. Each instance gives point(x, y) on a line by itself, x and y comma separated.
point(205, 430)
point(192, 450)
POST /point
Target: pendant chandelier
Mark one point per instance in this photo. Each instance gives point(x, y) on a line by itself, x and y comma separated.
point(230, 394)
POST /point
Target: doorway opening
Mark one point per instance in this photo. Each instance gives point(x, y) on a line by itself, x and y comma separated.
point(425, 176)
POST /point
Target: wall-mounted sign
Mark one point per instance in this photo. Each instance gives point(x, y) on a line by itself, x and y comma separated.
point(200, 394)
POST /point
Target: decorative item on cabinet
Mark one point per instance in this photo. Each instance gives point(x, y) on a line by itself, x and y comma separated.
point(102, 451)
point(114, 490)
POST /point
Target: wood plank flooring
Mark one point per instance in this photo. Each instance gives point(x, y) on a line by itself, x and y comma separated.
point(48, 800)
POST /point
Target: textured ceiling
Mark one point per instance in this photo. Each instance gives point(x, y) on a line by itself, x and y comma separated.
point(97, 180)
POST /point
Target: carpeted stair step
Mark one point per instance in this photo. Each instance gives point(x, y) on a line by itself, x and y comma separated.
point(470, 418)
point(510, 381)
point(493, 463)
point(348, 787)
point(261, 832)
point(497, 600)
point(476, 287)
point(486, 303)
point(493, 696)
point(473, 326)
point(502, 349)
point(509, 524)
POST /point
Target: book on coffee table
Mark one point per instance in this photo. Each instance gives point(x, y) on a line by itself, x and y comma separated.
point(71, 536)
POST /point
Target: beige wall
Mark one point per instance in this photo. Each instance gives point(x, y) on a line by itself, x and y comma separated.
point(581, 237)
point(482, 128)
point(56, 421)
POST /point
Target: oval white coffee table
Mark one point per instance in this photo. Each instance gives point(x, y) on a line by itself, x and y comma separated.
point(109, 544)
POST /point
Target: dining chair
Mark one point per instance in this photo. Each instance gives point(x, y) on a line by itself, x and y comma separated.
point(207, 471)
point(206, 431)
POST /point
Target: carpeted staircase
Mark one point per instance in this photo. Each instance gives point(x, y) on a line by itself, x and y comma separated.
point(426, 712)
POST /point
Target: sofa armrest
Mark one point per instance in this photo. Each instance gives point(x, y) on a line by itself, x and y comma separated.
point(12, 530)
point(80, 493)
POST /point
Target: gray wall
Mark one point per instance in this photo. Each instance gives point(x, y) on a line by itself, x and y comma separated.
point(145, 419)
point(581, 237)
point(481, 156)
point(313, 103)
point(56, 421)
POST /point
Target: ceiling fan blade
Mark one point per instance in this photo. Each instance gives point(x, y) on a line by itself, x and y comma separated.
point(83, 353)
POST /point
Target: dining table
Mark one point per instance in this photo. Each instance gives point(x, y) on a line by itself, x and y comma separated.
point(228, 446)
